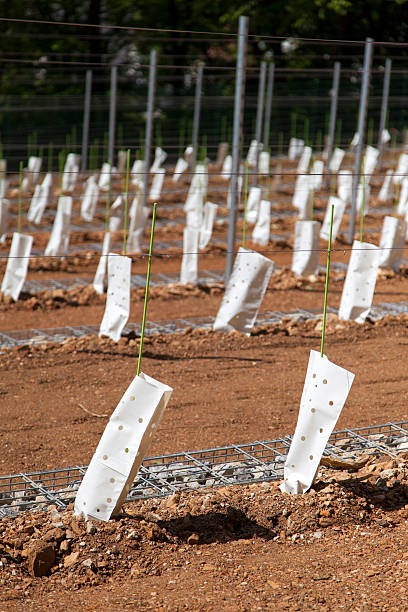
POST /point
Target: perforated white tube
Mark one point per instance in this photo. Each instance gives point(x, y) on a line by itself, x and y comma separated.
point(359, 286)
point(101, 269)
point(226, 168)
point(316, 174)
point(189, 262)
point(262, 229)
point(305, 258)
point(71, 170)
point(392, 242)
point(325, 392)
point(181, 166)
point(105, 176)
point(118, 297)
point(402, 169)
point(296, 146)
point(89, 199)
point(17, 265)
point(264, 162)
point(304, 161)
point(137, 173)
point(403, 197)
point(252, 152)
point(302, 196)
point(121, 449)
point(116, 214)
point(40, 199)
point(370, 160)
point(336, 160)
point(159, 159)
point(4, 208)
point(339, 207)
point(157, 184)
point(244, 292)
point(386, 188)
point(344, 185)
point(210, 211)
point(59, 238)
point(252, 208)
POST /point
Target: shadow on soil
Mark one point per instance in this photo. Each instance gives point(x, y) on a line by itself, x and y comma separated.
point(216, 527)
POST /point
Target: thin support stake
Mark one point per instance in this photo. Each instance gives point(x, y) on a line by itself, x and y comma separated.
point(327, 281)
point(20, 200)
point(149, 263)
point(108, 199)
point(245, 204)
point(362, 204)
point(126, 201)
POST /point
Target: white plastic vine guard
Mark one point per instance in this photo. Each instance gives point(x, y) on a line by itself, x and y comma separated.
point(244, 292)
point(305, 260)
point(210, 212)
point(252, 208)
point(159, 159)
point(4, 208)
point(295, 148)
point(33, 170)
point(89, 199)
point(385, 136)
point(189, 262)
point(304, 162)
point(116, 214)
point(345, 185)
point(262, 229)
point(386, 191)
point(118, 297)
point(325, 392)
point(336, 159)
point(392, 242)
point(359, 286)
point(402, 169)
point(240, 183)
point(17, 265)
point(403, 197)
point(181, 167)
point(370, 160)
point(134, 241)
point(157, 184)
point(339, 208)
point(252, 152)
point(137, 214)
point(70, 174)
point(99, 278)
point(227, 168)
point(302, 197)
point(355, 140)
point(121, 449)
point(105, 176)
point(363, 194)
point(316, 174)
point(264, 162)
point(40, 199)
point(59, 238)
point(137, 173)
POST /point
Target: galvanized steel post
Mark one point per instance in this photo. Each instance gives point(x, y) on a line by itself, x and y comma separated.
point(368, 54)
point(384, 106)
point(86, 120)
point(149, 122)
point(333, 115)
point(236, 140)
